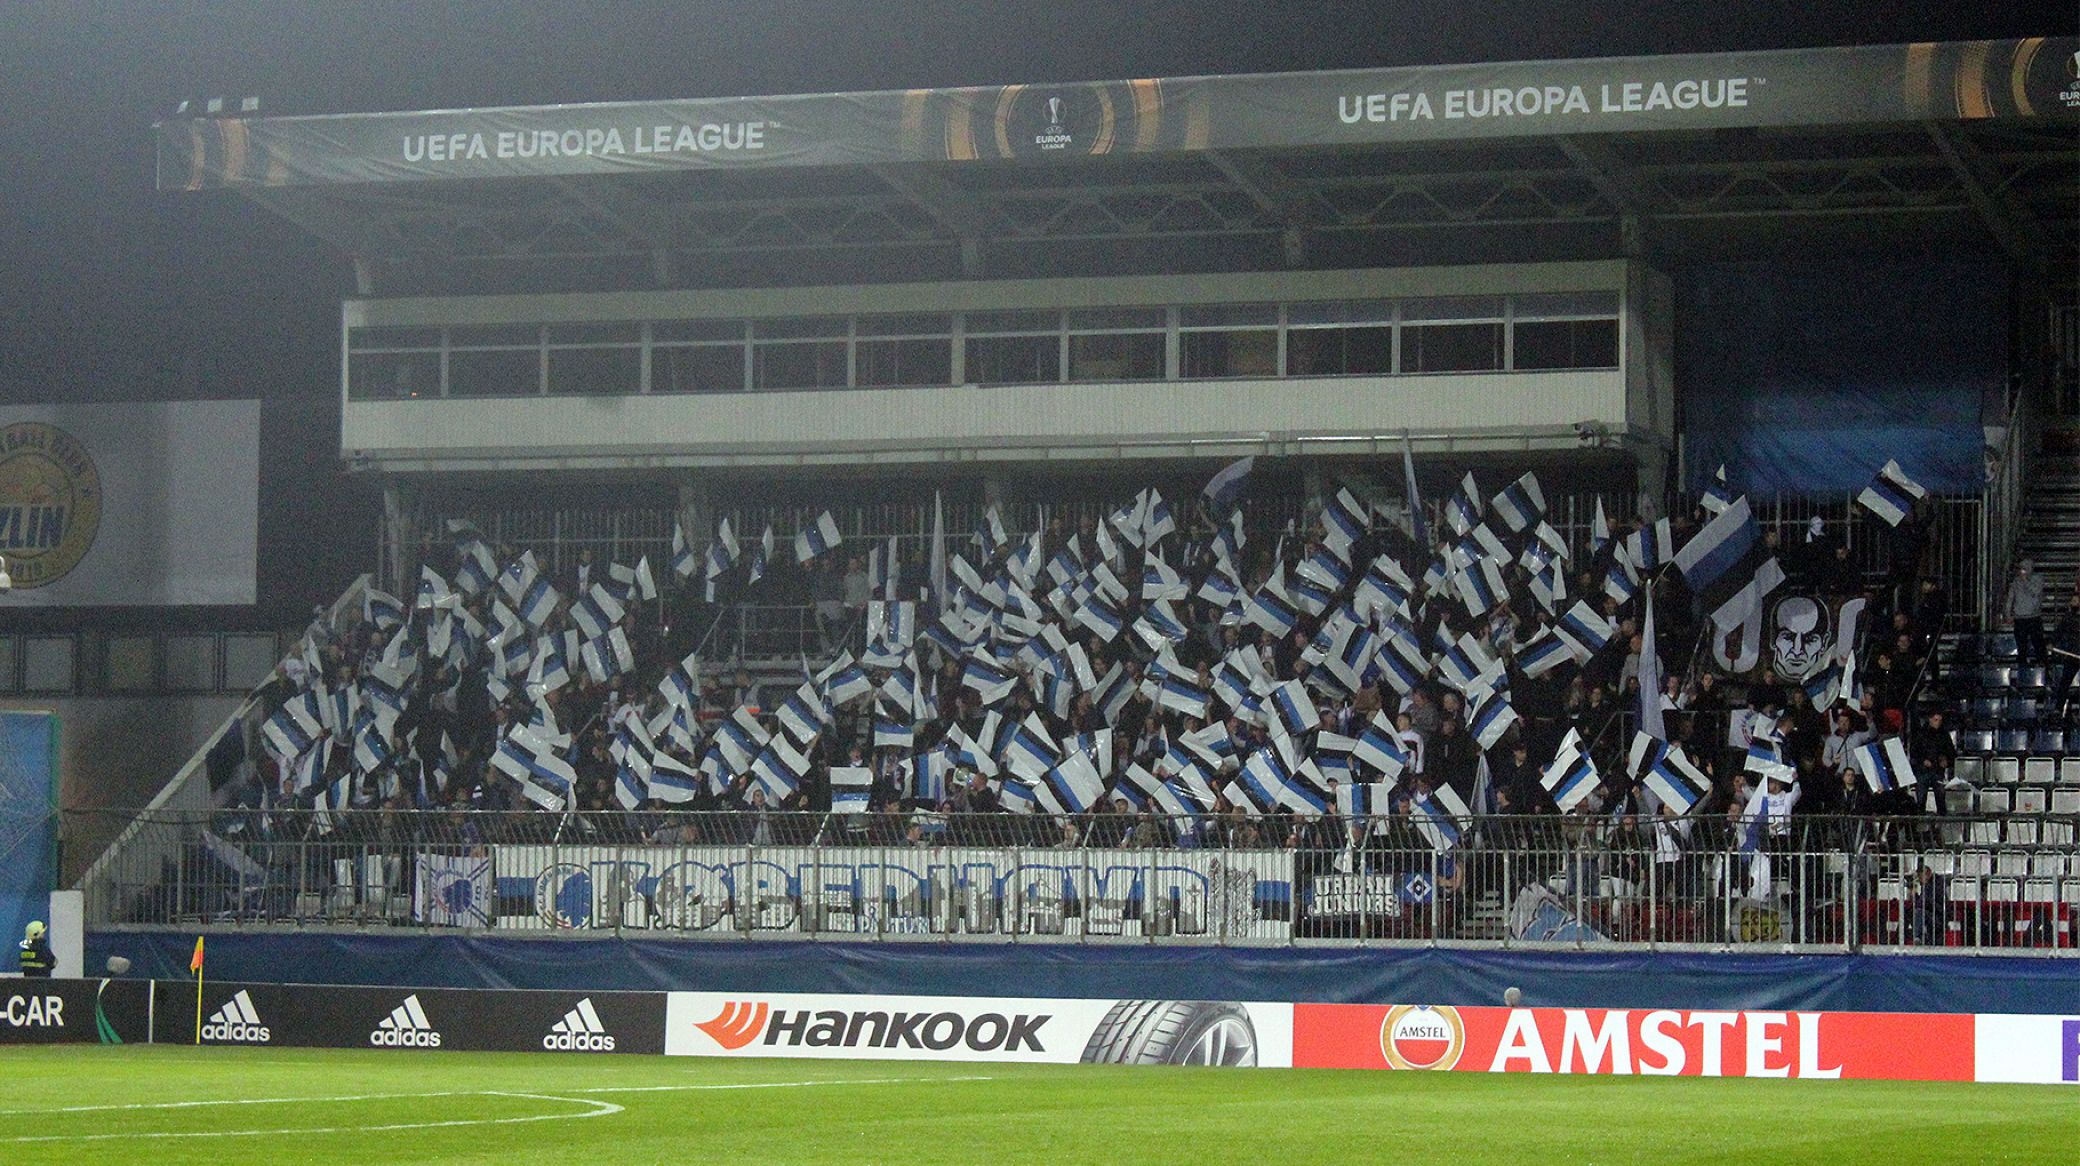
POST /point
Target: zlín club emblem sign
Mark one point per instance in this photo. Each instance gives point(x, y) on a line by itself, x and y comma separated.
point(50, 502)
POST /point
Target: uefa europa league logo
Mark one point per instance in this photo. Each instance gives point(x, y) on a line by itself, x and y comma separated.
point(1054, 112)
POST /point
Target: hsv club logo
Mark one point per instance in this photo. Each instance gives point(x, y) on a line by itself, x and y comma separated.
point(1422, 1037)
point(737, 1026)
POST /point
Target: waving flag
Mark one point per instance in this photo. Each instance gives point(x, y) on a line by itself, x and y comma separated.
point(381, 609)
point(1652, 545)
point(1147, 791)
point(1380, 747)
point(1418, 529)
point(1325, 569)
point(1884, 765)
point(1271, 608)
point(779, 770)
point(476, 570)
point(1544, 653)
point(761, 557)
point(1521, 503)
point(1599, 530)
point(684, 562)
point(1717, 494)
point(1650, 718)
point(595, 613)
point(1344, 521)
point(816, 538)
point(1491, 718)
point(850, 785)
point(929, 772)
point(1667, 772)
point(1585, 632)
point(1271, 783)
point(1225, 488)
point(1570, 777)
point(988, 681)
point(1892, 494)
point(1159, 580)
point(1463, 509)
point(294, 727)
point(1075, 778)
point(545, 779)
point(1437, 816)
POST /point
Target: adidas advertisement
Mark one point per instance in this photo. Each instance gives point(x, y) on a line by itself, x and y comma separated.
point(941, 1028)
point(412, 1019)
point(406, 1027)
point(235, 1023)
point(580, 1031)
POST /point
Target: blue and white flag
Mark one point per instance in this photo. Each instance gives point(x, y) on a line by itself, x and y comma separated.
point(1650, 718)
point(1159, 626)
point(1271, 608)
point(1100, 616)
point(850, 787)
point(381, 609)
point(761, 557)
point(892, 733)
point(1544, 653)
point(1017, 797)
point(816, 538)
point(1570, 777)
point(1146, 791)
point(596, 612)
point(1418, 528)
point(1492, 717)
point(929, 774)
point(1225, 488)
point(1599, 530)
point(1159, 580)
point(1295, 708)
point(476, 569)
point(990, 682)
point(1076, 780)
point(1717, 494)
point(1892, 494)
point(1344, 521)
point(1652, 545)
point(1584, 631)
point(1325, 569)
point(1362, 800)
point(545, 779)
point(1766, 760)
point(1176, 692)
point(1385, 588)
point(1667, 773)
point(1884, 765)
point(1438, 815)
point(1463, 509)
point(1379, 746)
point(779, 769)
point(294, 727)
point(1481, 587)
point(1549, 585)
point(1402, 663)
point(1271, 783)
point(740, 738)
point(990, 533)
point(1026, 749)
point(671, 781)
point(609, 656)
point(684, 561)
point(1521, 503)
point(1158, 522)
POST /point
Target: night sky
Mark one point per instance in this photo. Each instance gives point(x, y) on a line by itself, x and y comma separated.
point(110, 291)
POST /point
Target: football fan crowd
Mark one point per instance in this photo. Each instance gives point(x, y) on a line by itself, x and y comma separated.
point(1138, 681)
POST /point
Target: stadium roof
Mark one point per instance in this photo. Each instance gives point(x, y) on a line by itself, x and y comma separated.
point(1956, 146)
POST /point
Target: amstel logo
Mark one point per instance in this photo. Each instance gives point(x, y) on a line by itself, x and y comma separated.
point(737, 1026)
point(50, 502)
point(1422, 1037)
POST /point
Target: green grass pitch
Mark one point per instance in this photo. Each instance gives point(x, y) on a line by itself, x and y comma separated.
point(162, 1105)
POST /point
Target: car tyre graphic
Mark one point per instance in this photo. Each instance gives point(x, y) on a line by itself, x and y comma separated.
point(1173, 1032)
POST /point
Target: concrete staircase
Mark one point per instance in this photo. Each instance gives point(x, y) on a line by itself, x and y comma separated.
point(2050, 531)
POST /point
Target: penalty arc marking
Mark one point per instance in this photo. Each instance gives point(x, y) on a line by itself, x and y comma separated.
point(592, 1109)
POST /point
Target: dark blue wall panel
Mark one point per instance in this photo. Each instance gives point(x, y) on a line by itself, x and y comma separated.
point(1856, 983)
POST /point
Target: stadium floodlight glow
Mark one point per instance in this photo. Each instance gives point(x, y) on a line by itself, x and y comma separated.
point(214, 105)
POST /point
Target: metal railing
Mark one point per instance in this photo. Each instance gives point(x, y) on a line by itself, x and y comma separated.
point(1815, 883)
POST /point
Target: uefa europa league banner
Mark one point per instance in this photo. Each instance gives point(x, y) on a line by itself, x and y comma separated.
point(139, 504)
point(2034, 78)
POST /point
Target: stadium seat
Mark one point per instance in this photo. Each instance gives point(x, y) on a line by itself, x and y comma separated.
point(2056, 834)
point(2040, 891)
point(2047, 865)
point(1985, 711)
point(2020, 832)
point(1964, 889)
point(1999, 646)
point(2020, 710)
point(1995, 678)
point(2003, 890)
point(1992, 801)
point(2003, 770)
point(2011, 741)
point(1970, 769)
point(2030, 801)
point(2069, 771)
point(2039, 770)
point(2029, 681)
point(1984, 834)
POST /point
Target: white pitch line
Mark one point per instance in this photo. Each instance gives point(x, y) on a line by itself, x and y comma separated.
point(776, 1084)
point(599, 1109)
point(233, 1101)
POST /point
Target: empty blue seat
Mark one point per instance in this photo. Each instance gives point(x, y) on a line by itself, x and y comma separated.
point(2020, 711)
point(1975, 741)
point(1985, 712)
point(2000, 646)
point(2051, 742)
point(2030, 680)
point(2011, 741)
point(1996, 677)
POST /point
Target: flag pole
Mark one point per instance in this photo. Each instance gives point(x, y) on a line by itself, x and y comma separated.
point(195, 965)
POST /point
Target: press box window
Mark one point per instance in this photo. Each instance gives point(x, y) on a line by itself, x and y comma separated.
point(1340, 338)
point(1228, 340)
point(915, 349)
point(393, 363)
point(495, 361)
point(595, 359)
point(1559, 344)
point(801, 353)
point(1014, 348)
point(697, 356)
